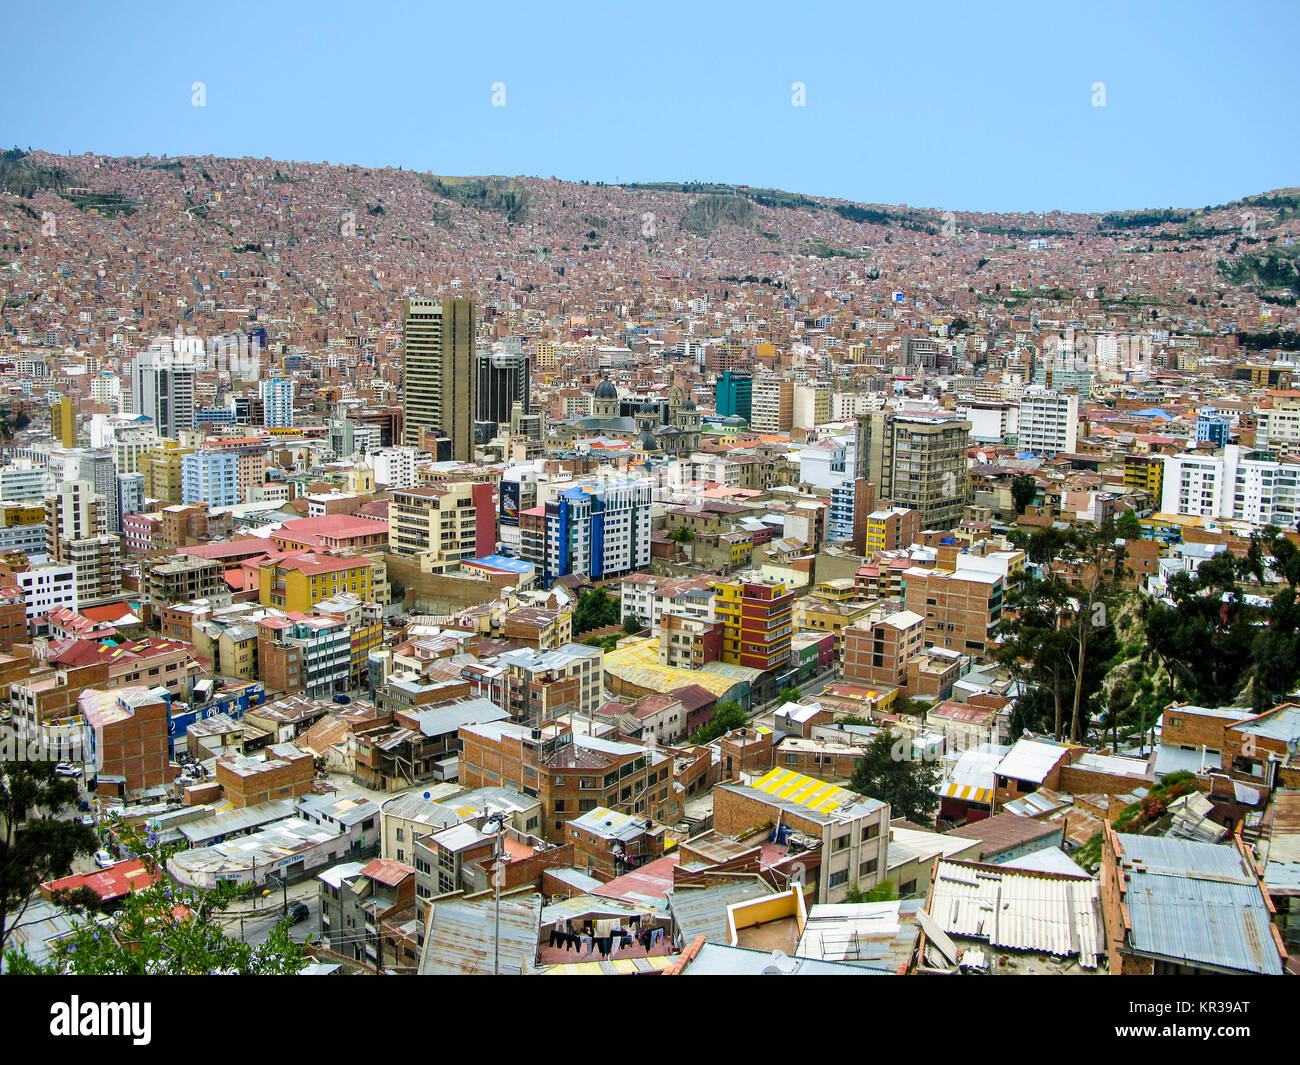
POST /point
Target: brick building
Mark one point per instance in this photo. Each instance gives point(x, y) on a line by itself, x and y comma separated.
point(126, 740)
point(850, 831)
point(285, 773)
point(571, 774)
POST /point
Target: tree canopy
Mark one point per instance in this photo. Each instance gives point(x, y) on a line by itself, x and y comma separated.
point(726, 716)
point(164, 930)
point(38, 838)
point(595, 609)
point(889, 771)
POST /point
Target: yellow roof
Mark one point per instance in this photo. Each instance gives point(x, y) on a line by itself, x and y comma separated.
point(637, 663)
point(967, 793)
point(810, 792)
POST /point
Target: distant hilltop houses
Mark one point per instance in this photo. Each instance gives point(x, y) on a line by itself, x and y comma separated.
point(509, 584)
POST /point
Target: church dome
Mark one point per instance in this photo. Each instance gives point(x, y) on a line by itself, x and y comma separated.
point(647, 442)
point(689, 405)
point(606, 390)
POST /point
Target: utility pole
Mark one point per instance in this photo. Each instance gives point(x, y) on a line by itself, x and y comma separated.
point(497, 818)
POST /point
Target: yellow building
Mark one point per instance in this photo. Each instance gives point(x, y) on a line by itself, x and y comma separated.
point(1146, 473)
point(14, 514)
point(756, 612)
point(162, 471)
point(237, 652)
point(63, 418)
point(299, 582)
point(815, 614)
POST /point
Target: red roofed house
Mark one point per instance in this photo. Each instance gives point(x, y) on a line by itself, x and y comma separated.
point(111, 885)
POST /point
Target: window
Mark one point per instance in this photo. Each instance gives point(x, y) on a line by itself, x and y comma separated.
point(868, 867)
point(907, 889)
point(839, 878)
point(871, 832)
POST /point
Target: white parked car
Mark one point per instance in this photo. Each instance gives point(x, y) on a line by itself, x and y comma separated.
point(103, 859)
point(68, 769)
point(88, 820)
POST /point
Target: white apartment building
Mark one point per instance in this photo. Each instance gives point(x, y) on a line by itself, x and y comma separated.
point(24, 481)
point(1278, 425)
point(1233, 484)
point(1049, 421)
point(645, 596)
point(846, 405)
point(48, 586)
point(829, 461)
point(396, 467)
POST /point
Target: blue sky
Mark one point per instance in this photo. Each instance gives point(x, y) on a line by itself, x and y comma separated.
point(958, 106)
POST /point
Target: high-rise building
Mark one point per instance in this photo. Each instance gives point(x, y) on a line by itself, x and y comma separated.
point(76, 519)
point(773, 405)
point(97, 466)
point(63, 416)
point(917, 461)
point(600, 530)
point(757, 614)
point(734, 395)
point(438, 373)
point(1049, 421)
point(277, 402)
point(440, 524)
point(162, 388)
point(502, 382)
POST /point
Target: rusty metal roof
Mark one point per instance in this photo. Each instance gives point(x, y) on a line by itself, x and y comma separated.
point(459, 938)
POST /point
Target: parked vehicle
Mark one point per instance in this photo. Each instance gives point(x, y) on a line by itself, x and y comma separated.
point(68, 769)
point(88, 820)
point(103, 859)
point(298, 913)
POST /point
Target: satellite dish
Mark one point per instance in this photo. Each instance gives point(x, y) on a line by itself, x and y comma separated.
point(782, 964)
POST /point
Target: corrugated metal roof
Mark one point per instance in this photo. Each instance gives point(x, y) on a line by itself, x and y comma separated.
point(1282, 871)
point(1019, 911)
point(715, 959)
point(1198, 903)
point(703, 911)
point(1031, 760)
point(460, 936)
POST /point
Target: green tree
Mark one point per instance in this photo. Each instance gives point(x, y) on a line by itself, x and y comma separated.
point(788, 694)
point(39, 839)
point(1023, 488)
point(889, 771)
point(631, 624)
point(594, 610)
point(1129, 526)
point(1205, 632)
point(726, 716)
point(164, 930)
point(1057, 634)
